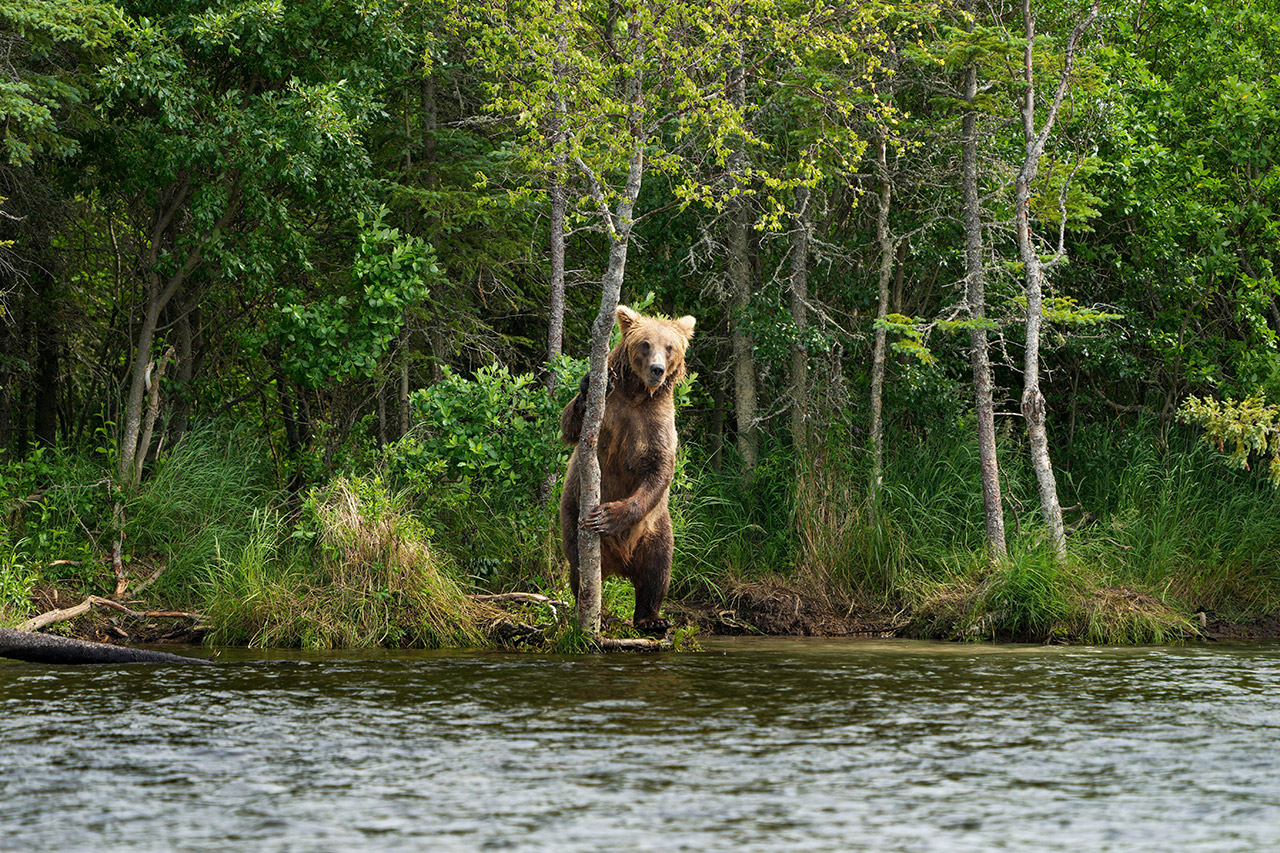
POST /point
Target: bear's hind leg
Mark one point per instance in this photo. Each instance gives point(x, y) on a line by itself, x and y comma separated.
point(569, 541)
point(651, 575)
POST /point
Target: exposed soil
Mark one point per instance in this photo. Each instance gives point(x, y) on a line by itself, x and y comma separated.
point(1263, 628)
point(776, 608)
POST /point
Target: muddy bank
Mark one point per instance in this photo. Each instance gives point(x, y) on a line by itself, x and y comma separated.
point(761, 608)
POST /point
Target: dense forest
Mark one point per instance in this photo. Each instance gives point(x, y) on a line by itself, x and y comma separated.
point(292, 295)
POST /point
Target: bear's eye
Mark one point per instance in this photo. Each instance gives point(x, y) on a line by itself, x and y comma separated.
point(644, 346)
point(669, 348)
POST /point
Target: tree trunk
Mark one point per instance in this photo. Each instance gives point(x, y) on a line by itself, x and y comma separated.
point(559, 204)
point(555, 322)
point(878, 354)
point(800, 316)
point(159, 292)
point(979, 354)
point(555, 319)
point(719, 402)
point(1033, 402)
point(739, 273)
point(618, 226)
point(899, 274)
point(183, 368)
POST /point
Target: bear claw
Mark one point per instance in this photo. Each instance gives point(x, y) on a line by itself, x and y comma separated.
point(604, 520)
point(653, 626)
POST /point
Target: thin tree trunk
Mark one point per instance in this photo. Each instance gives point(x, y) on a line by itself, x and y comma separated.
point(800, 316)
point(719, 401)
point(1033, 402)
point(47, 343)
point(184, 371)
point(878, 354)
point(159, 293)
point(739, 273)
point(619, 225)
point(153, 410)
point(899, 275)
point(559, 204)
point(979, 354)
point(402, 398)
point(555, 319)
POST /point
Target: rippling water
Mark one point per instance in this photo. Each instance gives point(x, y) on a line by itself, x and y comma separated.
point(755, 745)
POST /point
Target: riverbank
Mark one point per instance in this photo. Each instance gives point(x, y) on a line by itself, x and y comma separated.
point(770, 608)
point(1174, 547)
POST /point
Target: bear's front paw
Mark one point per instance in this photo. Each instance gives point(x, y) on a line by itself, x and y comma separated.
point(608, 519)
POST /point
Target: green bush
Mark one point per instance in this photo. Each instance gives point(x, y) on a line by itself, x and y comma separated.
point(478, 461)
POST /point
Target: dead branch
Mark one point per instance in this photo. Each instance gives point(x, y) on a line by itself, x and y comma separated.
point(523, 598)
point(68, 613)
point(152, 578)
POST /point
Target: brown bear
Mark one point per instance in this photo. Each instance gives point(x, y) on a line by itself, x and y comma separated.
point(637, 453)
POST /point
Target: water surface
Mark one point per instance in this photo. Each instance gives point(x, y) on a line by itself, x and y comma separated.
point(752, 745)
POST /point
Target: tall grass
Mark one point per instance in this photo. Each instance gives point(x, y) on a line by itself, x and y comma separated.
point(1178, 522)
point(200, 503)
point(359, 572)
point(729, 527)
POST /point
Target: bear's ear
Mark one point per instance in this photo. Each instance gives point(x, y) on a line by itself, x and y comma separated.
point(626, 318)
point(685, 324)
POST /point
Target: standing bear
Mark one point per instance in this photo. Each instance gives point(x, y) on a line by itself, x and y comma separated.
point(637, 453)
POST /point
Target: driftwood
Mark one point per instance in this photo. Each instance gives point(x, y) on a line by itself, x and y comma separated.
point(45, 648)
point(519, 597)
point(55, 616)
point(610, 644)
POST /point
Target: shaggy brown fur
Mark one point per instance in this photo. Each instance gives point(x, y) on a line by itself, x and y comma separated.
point(637, 452)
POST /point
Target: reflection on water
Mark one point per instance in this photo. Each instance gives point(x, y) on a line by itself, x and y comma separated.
point(755, 744)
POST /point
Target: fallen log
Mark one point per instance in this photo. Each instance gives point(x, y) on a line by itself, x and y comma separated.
point(46, 648)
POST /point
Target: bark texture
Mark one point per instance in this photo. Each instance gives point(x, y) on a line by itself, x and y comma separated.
point(618, 224)
point(738, 265)
point(878, 355)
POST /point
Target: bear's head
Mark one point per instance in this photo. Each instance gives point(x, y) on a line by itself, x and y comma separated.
point(654, 349)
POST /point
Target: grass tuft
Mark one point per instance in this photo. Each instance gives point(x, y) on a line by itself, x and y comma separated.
point(359, 573)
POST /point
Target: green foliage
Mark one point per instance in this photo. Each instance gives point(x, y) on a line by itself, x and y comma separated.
point(1240, 429)
point(476, 459)
point(57, 505)
point(335, 339)
point(41, 79)
point(909, 336)
point(17, 582)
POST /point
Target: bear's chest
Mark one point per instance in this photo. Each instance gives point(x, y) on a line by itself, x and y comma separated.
point(634, 439)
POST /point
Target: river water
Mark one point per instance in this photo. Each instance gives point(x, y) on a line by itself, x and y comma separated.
point(751, 745)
